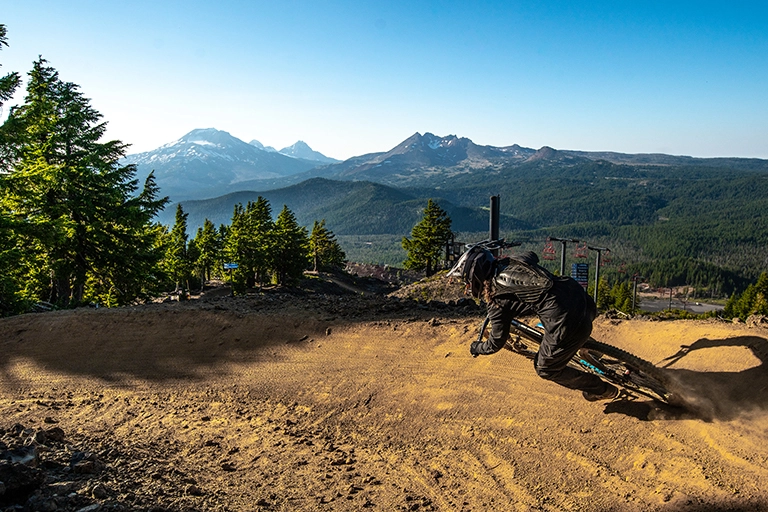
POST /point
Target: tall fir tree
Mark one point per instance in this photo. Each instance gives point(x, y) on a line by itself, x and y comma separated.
point(261, 241)
point(291, 248)
point(428, 239)
point(177, 262)
point(10, 251)
point(236, 247)
point(248, 243)
point(10, 82)
point(82, 218)
point(753, 301)
point(209, 245)
point(325, 251)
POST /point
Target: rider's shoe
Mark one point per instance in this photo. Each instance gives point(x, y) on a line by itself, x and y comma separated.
point(610, 393)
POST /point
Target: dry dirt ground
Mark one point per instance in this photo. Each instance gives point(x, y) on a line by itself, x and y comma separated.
point(341, 401)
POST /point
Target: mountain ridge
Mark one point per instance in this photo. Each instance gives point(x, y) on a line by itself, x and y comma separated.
point(390, 210)
point(206, 163)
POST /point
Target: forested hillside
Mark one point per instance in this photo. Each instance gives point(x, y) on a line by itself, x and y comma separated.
point(349, 207)
point(651, 213)
point(711, 218)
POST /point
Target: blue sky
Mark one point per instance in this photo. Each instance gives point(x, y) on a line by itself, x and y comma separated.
point(354, 77)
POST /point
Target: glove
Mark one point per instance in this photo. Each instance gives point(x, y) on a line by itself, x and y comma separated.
point(474, 348)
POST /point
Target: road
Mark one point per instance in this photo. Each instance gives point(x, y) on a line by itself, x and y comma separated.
point(654, 305)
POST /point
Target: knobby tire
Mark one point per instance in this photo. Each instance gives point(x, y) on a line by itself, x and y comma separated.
point(624, 369)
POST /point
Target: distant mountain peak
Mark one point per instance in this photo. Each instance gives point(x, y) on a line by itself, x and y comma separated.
point(209, 136)
point(301, 149)
point(545, 153)
point(261, 146)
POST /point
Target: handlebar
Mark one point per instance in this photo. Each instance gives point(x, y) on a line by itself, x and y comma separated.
point(494, 244)
point(525, 330)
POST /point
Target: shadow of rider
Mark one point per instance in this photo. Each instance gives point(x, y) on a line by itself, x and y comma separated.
point(722, 395)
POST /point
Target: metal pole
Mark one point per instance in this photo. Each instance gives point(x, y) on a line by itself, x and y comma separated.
point(634, 295)
point(635, 279)
point(563, 241)
point(599, 251)
point(562, 259)
point(597, 275)
point(494, 220)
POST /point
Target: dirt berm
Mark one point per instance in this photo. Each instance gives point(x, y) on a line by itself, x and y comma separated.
point(328, 400)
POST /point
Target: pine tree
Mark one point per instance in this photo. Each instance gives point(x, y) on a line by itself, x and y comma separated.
point(10, 82)
point(130, 268)
point(261, 238)
point(10, 253)
point(176, 262)
point(325, 251)
point(209, 244)
point(621, 297)
point(428, 239)
point(82, 221)
point(753, 301)
point(236, 247)
point(604, 297)
point(249, 243)
point(291, 248)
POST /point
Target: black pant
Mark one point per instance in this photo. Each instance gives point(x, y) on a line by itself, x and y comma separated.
point(558, 346)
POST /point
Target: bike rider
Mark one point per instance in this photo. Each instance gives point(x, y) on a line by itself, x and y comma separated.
point(518, 286)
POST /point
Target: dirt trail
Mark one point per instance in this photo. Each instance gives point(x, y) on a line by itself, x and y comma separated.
point(247, 404)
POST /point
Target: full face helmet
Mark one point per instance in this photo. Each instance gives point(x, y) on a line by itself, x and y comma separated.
point(474, 267)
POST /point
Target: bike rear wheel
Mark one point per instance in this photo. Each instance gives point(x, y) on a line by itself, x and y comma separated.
point(625, 370)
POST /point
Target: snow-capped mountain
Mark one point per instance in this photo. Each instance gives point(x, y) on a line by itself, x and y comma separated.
point(209, 162)
point(301, 150)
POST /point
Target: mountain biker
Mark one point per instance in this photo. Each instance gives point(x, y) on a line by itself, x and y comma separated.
point(518, 286)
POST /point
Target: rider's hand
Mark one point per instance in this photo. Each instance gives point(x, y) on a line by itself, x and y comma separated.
point(473, 348)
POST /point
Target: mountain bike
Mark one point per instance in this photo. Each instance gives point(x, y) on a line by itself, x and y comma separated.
point(618, 367)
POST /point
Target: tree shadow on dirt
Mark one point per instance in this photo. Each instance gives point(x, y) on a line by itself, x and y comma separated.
point(122, 346)
point(708, 395)
point(191, 339)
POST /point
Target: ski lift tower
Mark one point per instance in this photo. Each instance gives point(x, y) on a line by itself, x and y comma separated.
point(563, 242)
point(635, 279)
point(493, 225)
point(599, 251)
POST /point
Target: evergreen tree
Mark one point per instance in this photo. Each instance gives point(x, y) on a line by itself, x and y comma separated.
point(10, 253)
point(325, 251)
point(10, 82)
point(177, 262)
point(428, 239)
point(236, 247)
point(261, 238)
point(82, 222)
point(249, 243)
point(209, 245)
point(131, 268)
point(754, 300)
point(291, 248)
point(604, 300)
point(621, 297)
